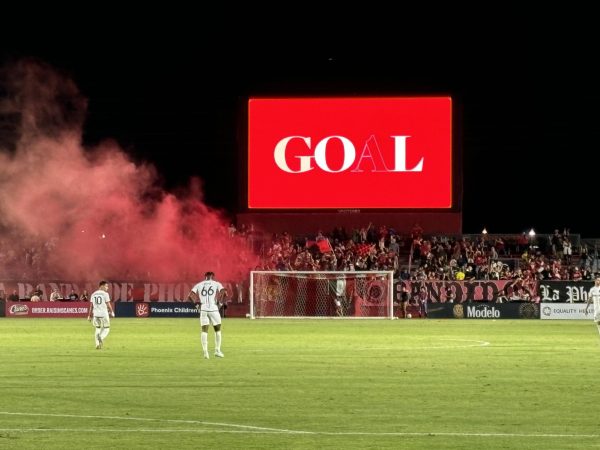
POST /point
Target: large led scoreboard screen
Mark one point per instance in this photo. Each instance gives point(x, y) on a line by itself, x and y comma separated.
point(358, 153)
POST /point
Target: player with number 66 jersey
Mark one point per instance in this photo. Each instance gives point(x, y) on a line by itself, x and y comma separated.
point(209, 294)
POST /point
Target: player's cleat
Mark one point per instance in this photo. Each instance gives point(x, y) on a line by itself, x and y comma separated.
point(219, 354)
point(206, 356)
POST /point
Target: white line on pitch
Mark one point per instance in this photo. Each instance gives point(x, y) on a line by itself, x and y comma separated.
point(199, 422)
point(313, 433)
point(255, 429)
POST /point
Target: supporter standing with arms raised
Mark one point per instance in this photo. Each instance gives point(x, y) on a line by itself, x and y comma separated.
point(209, 294)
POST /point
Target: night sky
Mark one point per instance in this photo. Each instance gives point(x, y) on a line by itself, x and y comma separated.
point(528, 105)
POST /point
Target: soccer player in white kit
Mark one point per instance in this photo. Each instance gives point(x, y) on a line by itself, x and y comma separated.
point(209, 293)
point(340, 293)
point(100, 308)
point(594, 296)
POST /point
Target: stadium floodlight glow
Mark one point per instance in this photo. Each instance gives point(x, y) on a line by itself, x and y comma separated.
point(531, 233)
point(484, 231)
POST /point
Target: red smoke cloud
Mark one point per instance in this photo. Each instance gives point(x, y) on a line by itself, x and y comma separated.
point(71, 212)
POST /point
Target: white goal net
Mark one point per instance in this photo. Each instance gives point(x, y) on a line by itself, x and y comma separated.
point(321, 294)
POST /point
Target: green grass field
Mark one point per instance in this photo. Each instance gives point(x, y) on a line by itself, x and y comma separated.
point(322, 384)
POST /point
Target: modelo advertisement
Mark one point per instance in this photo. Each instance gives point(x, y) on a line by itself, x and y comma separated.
point(565, 311)
point(359, 153)
point(490, 311)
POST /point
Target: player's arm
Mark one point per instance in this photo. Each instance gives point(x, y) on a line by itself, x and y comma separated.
point(90, 310)
point(193, 297)
point(111, 311)
point(587, 305)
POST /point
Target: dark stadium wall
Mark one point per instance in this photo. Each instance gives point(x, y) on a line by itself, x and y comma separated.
point(311, 222)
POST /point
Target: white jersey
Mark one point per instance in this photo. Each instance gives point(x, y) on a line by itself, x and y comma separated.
point(207, 291)
point(99, 299)
point(340, 287)
point(594, 294)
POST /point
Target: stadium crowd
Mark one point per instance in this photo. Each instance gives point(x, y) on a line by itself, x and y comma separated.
point(432, 257)
point(415, 257)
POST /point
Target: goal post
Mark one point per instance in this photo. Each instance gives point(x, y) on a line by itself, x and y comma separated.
point(333, 294)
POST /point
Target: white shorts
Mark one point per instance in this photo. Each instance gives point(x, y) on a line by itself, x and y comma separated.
point(101, 322)
point(210, 317)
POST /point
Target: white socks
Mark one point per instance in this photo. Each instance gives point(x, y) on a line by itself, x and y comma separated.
point(217, 341)
point(204, 340)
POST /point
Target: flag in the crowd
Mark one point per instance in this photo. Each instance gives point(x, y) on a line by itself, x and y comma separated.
point(364, 249)
point(324, 245)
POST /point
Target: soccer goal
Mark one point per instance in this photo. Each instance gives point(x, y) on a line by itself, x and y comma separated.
point(359, 294)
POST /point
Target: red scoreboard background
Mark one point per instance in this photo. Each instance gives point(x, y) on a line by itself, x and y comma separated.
point(336, 153)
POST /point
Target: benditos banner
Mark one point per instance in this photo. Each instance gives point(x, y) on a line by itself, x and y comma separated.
point(464, 291)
